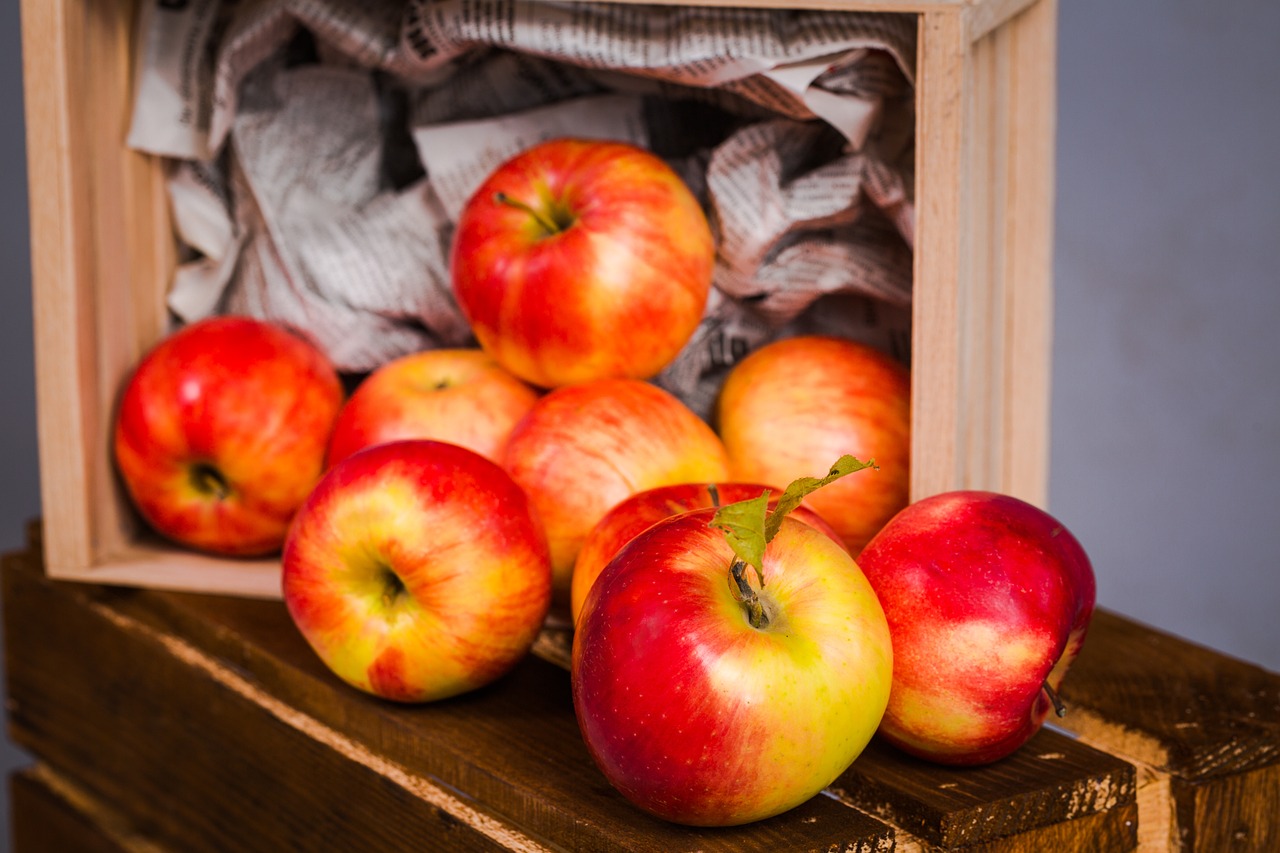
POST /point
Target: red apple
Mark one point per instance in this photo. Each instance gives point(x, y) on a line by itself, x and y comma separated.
point(416, 571)
point(583, 448)
point(641, 511)
point(221, 433)
point(710, 699)
point(988, 600)
point(461, 396)
point(794, 404)
point(583, 259)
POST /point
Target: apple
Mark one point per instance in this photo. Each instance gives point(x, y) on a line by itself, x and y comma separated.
point(988, 600)
point(461, 396)
point(710, 696)
point(221, 432)
point(794, 404)
point(582, 259)
point(583, 448)
point(416, 571)
point(642, 510)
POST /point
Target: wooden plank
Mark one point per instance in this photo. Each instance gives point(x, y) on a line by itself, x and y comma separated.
point(982, 302)
point(50, 814)
point(151, 563)
point(1004, 300)
point(985, 17)
point(229, 686)
point(1052, 781)
point(1027, 228)
point(940, 285)
point(128, 241)
point(1204, 729)
point(62, 297)
point(102, 254)
point(1239, 812)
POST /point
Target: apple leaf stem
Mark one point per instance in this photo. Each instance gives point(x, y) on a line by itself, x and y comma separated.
point(756, 614)
point(1059, 707)
point(547, 224)
point(749, 526)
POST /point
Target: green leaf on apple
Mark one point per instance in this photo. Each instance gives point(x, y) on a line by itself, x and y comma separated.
point(749, 526)
point(744, 524)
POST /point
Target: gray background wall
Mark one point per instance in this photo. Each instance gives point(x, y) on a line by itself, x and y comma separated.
point(1166, 401)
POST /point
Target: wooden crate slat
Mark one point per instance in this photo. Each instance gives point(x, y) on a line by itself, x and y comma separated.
point(102, 254)
point(1204, 729)
point(982, 310)
point(50, 814)
point(1051, 780)
point(937, 285)
point(62, 294)
point(1028, 271)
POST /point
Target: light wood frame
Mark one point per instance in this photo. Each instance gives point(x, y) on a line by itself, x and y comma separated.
point(103, 253)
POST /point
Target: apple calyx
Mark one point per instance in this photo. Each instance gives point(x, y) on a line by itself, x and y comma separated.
point(208, 480)
point(749, 526)
point(392, 585)
point(560, 219)
point(1059, 707)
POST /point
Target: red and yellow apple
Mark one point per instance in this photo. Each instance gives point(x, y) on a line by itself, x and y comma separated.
point(642, 510)
point(221, 433)
point(416, 571)
point(796, 403)
point(583, 448)
point(461, 396)
point(702, 710)
point(582, 259)
point(988, 600)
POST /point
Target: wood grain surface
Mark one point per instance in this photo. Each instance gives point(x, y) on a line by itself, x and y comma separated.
point(1203, 729)
point(209, 721)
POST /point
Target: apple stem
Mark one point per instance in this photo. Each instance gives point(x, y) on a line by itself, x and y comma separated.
point(1059, 707)
point(503, 198)
point(750, 600)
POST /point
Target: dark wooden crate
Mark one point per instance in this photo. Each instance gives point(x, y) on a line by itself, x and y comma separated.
point(1202, 729)
point(208, 724)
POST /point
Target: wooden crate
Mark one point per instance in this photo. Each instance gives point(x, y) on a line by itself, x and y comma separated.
point(166, 720)
point(103, 252)
point(202, 722)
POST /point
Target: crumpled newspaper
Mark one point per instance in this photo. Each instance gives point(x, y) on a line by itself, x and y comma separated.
point(322, 150)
